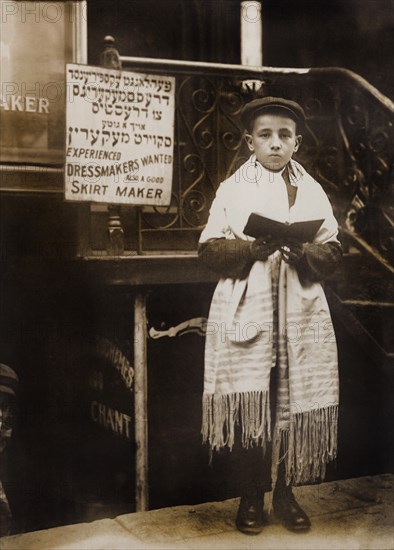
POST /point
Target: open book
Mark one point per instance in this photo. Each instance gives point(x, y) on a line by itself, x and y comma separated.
point(304, 232)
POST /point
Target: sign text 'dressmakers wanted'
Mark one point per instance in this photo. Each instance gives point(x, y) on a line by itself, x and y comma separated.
point(120, 136)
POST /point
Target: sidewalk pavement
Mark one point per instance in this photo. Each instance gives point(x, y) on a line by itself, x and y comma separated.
point(347, 514)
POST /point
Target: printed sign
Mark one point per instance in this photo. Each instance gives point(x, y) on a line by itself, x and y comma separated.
point(120, 136)
point(108, 400)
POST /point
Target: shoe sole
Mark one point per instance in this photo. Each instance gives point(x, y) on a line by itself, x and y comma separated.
point(293, 528)
point(250, 530)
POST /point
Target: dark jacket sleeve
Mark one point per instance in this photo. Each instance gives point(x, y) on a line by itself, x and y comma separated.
point(227, 257)
point(319, 261)
point(234, 258)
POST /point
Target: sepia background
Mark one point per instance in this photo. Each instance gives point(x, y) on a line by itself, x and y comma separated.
point(73, 274)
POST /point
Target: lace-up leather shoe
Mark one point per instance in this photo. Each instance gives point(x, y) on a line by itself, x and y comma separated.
point(250, 515)
point(289, 512)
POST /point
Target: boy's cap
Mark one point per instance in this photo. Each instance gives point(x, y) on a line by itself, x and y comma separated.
point(8, 380)
point(252, 109)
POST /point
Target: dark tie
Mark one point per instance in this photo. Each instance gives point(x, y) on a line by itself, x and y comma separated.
point(291, 189)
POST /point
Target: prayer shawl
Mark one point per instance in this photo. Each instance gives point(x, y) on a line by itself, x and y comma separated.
point(270, 319)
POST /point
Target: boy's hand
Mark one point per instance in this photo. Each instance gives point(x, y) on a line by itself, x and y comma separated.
point(263, 247)
point(292, 252)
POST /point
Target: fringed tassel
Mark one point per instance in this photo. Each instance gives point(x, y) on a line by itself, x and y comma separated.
point(280, 446)
point(220, 414)
point(307, 446)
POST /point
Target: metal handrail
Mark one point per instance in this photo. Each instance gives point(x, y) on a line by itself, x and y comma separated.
point(202, 67)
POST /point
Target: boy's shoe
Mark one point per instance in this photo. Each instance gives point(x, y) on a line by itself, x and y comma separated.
point(250, 515)
point(289, 512)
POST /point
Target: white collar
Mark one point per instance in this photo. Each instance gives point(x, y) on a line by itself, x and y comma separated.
point(269, 174)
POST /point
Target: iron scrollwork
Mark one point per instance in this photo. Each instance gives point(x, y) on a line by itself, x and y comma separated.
point(347, 146)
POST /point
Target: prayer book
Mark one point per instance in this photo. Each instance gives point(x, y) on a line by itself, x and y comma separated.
point(260, 226)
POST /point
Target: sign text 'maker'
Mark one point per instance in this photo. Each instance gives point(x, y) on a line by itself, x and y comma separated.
point(120, 136)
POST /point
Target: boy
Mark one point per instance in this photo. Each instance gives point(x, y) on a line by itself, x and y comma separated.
point(271, 376)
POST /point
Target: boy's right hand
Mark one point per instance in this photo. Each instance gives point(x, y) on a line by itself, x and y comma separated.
point(262, 247)
point(292, 252)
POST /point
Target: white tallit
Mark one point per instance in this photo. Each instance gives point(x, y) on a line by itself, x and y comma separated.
point(270, 319)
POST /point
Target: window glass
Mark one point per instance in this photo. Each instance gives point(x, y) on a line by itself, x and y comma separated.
point(37, 40)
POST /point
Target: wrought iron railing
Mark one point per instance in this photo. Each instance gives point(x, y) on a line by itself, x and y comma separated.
point(348, 148)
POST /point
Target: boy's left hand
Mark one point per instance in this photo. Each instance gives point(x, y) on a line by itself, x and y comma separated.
point(292, 252)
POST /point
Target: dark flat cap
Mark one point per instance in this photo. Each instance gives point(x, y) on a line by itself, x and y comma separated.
point(255, 107)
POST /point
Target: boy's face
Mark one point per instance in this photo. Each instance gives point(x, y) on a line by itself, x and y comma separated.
point(274, 140)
